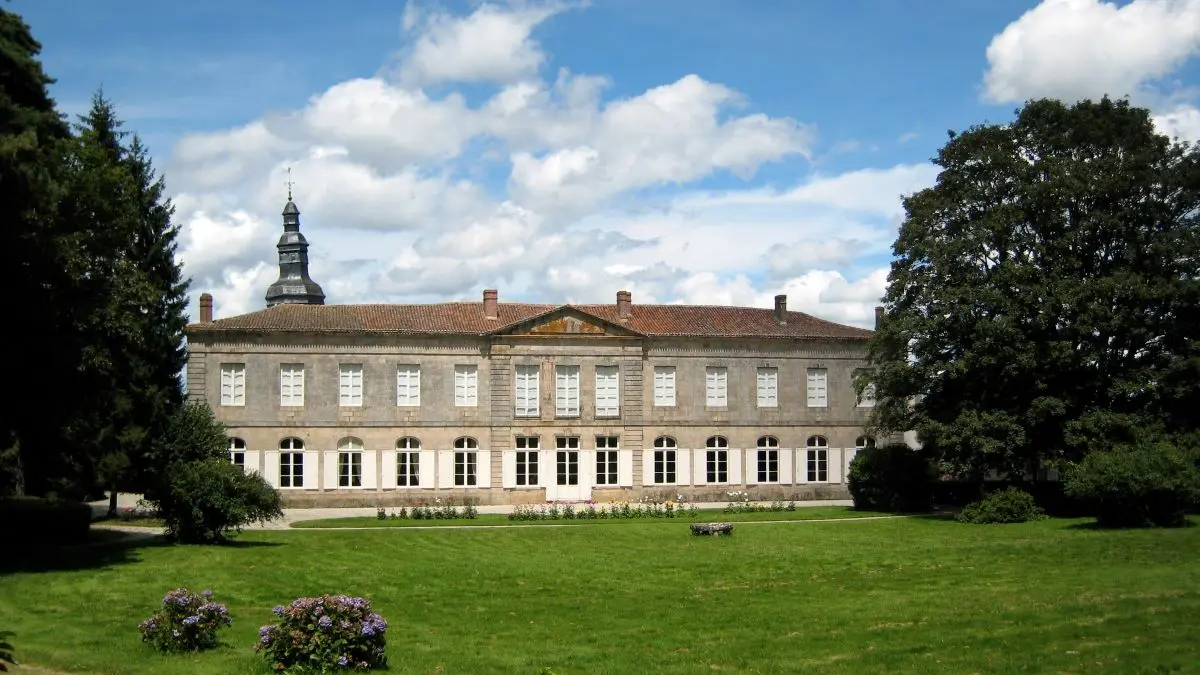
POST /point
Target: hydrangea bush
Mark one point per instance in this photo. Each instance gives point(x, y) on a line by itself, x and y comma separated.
point(187, 622)
point(326, 633)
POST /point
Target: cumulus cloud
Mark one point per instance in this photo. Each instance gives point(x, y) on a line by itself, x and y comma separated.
point(1074, 49)
point(543, 189)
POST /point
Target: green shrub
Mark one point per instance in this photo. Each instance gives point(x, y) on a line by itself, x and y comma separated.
point(1010, 505)
point(38, 521)
point(206, 500)
point(1152, 485)
point(326, 633)
point(6, 651)
point(187, 622)
point(891, 477)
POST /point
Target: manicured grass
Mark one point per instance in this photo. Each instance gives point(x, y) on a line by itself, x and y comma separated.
point(916, 595)
point(700, 516)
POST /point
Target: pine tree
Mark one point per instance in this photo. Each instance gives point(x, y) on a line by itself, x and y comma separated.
point(32, 139)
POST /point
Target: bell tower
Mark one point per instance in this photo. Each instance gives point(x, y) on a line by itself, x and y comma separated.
point(294, 286)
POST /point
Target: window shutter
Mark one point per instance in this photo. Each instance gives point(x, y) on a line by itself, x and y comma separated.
point(271, 467)
point(483, 468)
point(835, 465)
point(751, 464)
point(427, 468)
point(699, 467)
point(330, 475)
point(370, 469)
point(508, 469)
point(683, 467)
point(787, 473)
point(647, 467)
point(445, 468)
point(387, 479)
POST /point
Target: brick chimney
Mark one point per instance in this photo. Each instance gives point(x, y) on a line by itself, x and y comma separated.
point(206, 308)
point(878, 317)
point(491, 303)
point(781, 310)
point(624, 305)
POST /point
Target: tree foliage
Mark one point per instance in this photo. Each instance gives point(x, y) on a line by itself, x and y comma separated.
point(1043, 299)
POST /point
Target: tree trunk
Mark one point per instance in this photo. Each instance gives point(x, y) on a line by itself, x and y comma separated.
point(112, 501)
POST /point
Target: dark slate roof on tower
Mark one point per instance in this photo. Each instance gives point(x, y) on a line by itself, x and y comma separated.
point(294, 286)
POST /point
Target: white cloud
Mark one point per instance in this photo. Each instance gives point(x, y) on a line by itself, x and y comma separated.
point(401, 201)
point(1074, 49)
point(1182, 123)
point(493, 44)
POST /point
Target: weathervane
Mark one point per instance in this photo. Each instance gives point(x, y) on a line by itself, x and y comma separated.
point(289, 183)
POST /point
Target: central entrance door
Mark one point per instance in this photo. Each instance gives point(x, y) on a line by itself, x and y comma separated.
point(568, 485)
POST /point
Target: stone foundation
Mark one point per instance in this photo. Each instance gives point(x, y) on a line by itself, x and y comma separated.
point(300, 499)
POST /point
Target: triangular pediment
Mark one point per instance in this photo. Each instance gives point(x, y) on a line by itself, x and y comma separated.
point(566, 321)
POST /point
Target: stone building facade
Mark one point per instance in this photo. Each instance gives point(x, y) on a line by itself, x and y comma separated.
point(499, 403)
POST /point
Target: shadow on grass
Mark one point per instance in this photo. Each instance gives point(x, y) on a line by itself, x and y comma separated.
point(104, 548)
point(1093, 525)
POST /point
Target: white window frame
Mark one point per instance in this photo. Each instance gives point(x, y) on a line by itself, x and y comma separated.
point(237, 452)
point(816, 460)
point(528, 449)
point(666, 461)
point(608, 391)
point(566, 391)
point(408, 455)
point(716, 460)
point(291, 384)
point(664, 386)
point(466, 462)
point(716, 387)
point(766, 466)
point(291, 449)
point(767, 378)
point(350, 463)
point(608, 460)
point(233, 384)
point(350, 385)
point(408, 385)
point(528, 391)
point(818, 387)
point(466, 385)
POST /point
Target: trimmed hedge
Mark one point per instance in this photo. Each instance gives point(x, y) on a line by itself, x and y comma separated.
point(1010, 505)
point(34, 520)
point(892, 477)
point(1050, 495)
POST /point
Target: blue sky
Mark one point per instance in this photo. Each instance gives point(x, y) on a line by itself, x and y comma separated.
point(703, 151)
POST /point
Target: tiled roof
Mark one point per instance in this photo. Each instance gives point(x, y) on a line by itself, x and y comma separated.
point(466, 318)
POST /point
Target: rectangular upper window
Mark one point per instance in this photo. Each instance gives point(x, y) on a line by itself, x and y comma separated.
point(768, 387)
point(350, 384)
point(664, 386)
point(233, 384)
point(291, 384)
point(528, 391)
point(466, 386)
point(867, 399)
point(818, 388)
point(566, 391)
point(608, 391)
point(408, 385)
point(716, 387)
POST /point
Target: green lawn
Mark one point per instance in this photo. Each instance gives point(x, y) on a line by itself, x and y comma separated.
point(919, 595)
point(700, 516)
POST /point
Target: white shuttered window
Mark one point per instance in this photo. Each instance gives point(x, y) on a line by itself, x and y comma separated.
point(768, 387)
point(408, 385)
point(466, 386)
point(566, 391)
point(350, 384)
point(608, 391)
point(291, 384)
point(664, 386)
point(716, 387)
point(233, 384)
point(818, 388)
point(527, 391)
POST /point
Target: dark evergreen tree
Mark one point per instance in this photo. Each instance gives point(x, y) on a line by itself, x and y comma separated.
point(32, 139)
point(1042, 302)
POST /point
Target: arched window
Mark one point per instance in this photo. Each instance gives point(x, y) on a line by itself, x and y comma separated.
point(291, 463)
point(864, 442)
point(408, 462)
point(768, 459)
point(237, 452)
point(465, 461)
point(664, 461)
point(817, 469)
point(716, 459)
point(350, 459)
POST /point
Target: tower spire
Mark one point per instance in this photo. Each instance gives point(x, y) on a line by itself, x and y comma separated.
point(294, 286)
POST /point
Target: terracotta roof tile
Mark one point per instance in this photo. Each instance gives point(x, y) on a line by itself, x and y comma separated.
point(466, 318)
